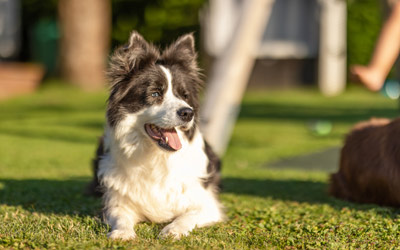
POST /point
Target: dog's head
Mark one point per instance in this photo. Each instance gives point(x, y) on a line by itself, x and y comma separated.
point(153, 92)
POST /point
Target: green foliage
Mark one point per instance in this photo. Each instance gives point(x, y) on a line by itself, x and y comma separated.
point(158, 21)
point(364, 20)
point(48, 140)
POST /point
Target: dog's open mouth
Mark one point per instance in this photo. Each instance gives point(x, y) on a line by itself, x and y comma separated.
point(166, 138)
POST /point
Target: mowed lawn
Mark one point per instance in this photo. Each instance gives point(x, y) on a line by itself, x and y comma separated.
point(47, 141)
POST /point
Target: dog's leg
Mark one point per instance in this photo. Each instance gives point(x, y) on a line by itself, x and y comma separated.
point(207, 215)
point(120, 217)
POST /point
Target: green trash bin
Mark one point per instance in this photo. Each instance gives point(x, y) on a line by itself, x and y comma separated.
point(44, 39)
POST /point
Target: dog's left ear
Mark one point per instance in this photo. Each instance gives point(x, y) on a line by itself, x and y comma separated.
point(185, 44)
point(181, 52)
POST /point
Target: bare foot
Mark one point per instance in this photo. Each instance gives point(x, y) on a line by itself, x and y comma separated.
point(369, 77)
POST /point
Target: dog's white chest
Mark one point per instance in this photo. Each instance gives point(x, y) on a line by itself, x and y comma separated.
point(167, 190)
point(159, 185)
point(160, 202)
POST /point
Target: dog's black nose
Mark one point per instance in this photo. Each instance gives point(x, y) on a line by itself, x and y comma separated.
point(186, 114)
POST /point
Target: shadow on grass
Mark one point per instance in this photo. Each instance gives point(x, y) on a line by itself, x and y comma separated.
point(266, 110)
point(67, 196)
point(294, 190)
point(49, 196)
point(326, 160)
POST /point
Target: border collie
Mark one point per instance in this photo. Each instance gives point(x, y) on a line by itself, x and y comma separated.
point(153, 163)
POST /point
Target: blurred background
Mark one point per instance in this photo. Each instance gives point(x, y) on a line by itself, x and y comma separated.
point(44, 33)
point(243, 45)
point(72, 39)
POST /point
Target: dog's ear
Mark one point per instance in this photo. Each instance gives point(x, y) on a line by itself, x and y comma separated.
point(181, 52)
point(130, 58)
point(136, 42)
point(185, 45)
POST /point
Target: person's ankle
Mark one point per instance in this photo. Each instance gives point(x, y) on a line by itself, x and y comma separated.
point(370, 76)
point(377, 78)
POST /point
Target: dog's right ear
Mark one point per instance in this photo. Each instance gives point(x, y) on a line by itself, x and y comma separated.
point(136, 41)
point(130, 58)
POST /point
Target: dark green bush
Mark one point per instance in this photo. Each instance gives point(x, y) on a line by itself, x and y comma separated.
point(160, 21)
point(364, 21)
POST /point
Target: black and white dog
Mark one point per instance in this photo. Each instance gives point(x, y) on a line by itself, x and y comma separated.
point(153, 163)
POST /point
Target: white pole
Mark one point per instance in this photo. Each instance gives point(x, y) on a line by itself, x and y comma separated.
point(230, 74)
point(332, 54)
point(219, 21)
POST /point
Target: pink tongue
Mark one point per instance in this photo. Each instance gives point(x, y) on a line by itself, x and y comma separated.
point(173, 139)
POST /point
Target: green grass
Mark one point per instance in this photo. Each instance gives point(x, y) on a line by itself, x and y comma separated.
point(48, 139)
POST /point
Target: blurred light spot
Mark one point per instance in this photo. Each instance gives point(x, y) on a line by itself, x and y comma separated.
point(321, 127)
point(391, 89)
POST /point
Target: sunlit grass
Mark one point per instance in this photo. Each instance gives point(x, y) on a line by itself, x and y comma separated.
point(48, 139)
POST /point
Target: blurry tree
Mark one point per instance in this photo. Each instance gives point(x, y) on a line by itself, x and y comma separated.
point(85, 30)
point(160, 21)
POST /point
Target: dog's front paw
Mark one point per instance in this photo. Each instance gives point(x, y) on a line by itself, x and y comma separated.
point(121, 235)
point(175, 231)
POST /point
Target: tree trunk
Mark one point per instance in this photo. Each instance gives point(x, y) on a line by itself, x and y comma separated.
point(85, 34)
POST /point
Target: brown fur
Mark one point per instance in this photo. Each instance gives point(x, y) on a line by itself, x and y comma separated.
point(370, 164)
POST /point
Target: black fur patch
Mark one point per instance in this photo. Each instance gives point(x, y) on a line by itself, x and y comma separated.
point(94, 187)
point(213, 168)
point(131, 72)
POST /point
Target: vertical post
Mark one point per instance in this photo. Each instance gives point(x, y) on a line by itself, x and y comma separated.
point(230, 74)
point(219, 21)
point(332, 54)
point(10, 28)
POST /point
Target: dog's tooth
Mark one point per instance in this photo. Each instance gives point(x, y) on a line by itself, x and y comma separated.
point(166, 139)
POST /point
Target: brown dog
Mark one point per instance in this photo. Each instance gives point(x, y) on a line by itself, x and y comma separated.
point(370, 164)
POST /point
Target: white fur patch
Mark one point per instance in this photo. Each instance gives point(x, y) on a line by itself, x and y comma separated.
point(169, 77)
point(170, 100)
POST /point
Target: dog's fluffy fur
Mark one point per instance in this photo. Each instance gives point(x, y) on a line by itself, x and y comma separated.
point(153, 163)
point(370, 164)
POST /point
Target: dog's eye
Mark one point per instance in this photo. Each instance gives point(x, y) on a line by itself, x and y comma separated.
point(155, 94)
point(185, 96)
